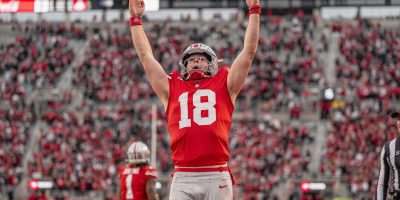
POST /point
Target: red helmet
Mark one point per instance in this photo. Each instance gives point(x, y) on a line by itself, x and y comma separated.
point(199, 48)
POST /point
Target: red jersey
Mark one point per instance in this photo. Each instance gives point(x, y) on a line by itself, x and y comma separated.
point(133, 180)
point(199, 118)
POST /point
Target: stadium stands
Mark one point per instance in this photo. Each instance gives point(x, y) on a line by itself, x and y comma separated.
point(82, 141)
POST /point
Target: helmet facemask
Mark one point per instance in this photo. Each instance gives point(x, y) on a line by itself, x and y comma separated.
point(196, 74)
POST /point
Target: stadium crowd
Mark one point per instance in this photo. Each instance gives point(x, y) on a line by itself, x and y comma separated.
point(264, 153)
point(110, 75)
point(368, 73)
point(369, 60)
point(30, 61)
point(74, 148)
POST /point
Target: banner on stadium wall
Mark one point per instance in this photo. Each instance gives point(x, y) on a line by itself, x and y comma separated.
point(41, 6)
point(23, 6)
point(79, 5)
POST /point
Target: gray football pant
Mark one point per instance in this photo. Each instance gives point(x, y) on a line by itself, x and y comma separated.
point(201, 186)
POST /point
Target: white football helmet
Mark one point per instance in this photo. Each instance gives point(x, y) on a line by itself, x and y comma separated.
point(212, 68)
point(138, 152)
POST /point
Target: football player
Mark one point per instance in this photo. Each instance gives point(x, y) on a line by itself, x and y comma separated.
point(138, 178)
point(199, 100)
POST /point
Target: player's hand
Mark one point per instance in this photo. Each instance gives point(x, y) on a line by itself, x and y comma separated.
point(252, 2)
point(136, 7)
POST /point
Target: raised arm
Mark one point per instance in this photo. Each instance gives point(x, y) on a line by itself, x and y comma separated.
point(156, 74)
point(240, 67)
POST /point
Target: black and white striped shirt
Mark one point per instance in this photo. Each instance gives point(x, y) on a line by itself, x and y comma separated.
point(390, 166)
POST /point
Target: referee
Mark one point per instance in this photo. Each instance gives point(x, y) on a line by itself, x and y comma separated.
point(389, 183)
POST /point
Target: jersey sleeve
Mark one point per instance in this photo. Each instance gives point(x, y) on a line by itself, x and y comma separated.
point(122, 186)
point(225, 68)
point(120, 170)
point(151, 173)
point(173, 75)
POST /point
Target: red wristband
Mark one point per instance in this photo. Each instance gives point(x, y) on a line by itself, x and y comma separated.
point(255, 9)
point(135, 21)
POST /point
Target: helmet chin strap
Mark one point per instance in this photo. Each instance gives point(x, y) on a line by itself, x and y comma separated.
point(196, 74)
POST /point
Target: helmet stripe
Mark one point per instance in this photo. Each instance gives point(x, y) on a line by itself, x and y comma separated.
point(134, 150)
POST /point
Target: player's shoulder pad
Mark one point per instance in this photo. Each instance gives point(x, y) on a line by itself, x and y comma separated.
point(151, 171)
point(121, 168)
point(225, 68)
point(174, 73)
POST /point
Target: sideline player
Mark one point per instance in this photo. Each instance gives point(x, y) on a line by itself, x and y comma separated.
point(137, 178)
